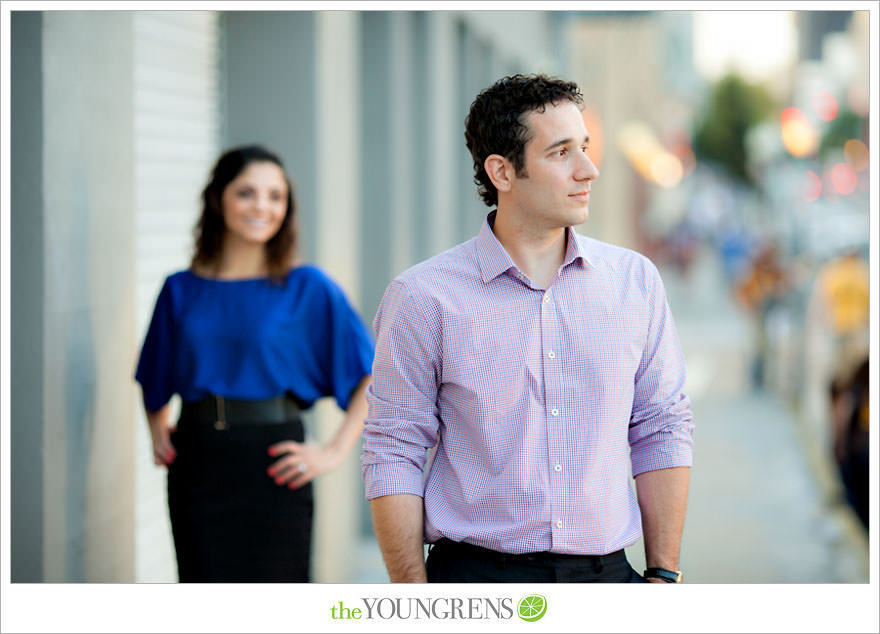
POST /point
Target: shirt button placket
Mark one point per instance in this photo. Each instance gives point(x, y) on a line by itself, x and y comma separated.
point(553, 378)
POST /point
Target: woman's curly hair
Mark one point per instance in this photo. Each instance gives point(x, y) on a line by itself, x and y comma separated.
point(209, 230)
point(496, 123)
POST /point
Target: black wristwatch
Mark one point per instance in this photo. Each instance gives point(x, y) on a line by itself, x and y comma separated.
point(669, 576)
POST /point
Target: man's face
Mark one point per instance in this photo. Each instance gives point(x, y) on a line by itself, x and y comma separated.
point(554, 188)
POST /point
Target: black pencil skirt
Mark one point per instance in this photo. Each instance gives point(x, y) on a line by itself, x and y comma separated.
point(231, 522)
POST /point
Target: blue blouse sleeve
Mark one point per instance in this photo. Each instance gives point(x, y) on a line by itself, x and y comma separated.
point(351, 347)
point(154, 370)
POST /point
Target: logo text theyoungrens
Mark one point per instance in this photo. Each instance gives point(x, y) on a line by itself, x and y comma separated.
point(441, 608)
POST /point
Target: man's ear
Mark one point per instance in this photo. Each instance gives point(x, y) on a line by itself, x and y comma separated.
point(500, 171)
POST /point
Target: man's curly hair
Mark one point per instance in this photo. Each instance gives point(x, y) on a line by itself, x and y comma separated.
point(496, 123)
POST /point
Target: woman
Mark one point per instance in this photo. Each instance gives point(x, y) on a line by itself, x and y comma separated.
point(247, 340)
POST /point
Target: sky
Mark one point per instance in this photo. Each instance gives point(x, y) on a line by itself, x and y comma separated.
point(757, 44)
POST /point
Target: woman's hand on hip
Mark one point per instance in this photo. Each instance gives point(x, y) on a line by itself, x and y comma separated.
point(164, 452)
point(300, 463)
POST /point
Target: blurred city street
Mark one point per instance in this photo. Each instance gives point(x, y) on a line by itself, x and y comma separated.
point(760, 509)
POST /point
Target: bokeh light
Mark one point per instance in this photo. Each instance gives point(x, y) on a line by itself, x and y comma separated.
point(666, 170)
point(648, 156)
point(844, 178)
point(857, 96)
point(825, 105)
point(593, 122)
point(856, 154)
point(686, 155)
point(814, 187)
point(798, 135)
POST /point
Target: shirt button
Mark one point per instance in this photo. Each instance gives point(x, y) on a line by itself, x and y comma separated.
point(558, 467)
point(558, 523)
point(547, 298)
point(551, 354)
point(554, 411)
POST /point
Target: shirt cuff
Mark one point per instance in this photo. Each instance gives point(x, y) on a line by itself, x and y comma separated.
point(662, 453)
point(394, 478)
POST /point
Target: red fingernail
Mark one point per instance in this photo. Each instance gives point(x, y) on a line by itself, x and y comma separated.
point(279, 481)
point(270, 471)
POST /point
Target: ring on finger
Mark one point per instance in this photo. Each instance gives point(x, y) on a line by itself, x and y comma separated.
point(303, 467)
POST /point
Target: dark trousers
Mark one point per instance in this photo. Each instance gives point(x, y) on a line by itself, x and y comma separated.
point(458, 562)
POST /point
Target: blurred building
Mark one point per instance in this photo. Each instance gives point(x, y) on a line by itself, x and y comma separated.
point(813, 26)
point(636, 70)
point(117, 118)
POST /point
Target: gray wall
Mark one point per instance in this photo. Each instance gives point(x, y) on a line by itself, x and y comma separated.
point(476, 71)
point(269, 96)
point(26, 308)
point(88, 303)
point(377, 179)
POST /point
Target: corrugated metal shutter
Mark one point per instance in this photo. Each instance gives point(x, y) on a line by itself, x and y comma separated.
point(177, 132)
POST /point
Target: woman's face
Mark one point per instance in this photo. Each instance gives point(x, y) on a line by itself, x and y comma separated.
point(255, 202)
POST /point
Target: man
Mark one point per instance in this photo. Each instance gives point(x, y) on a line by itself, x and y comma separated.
point(532, 359)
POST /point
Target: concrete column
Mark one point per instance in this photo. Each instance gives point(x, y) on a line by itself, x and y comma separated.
point(377, 181)
point(474, 75)
point(444, 132)
point(88, 305)
point(403, 162)
point(338, 222)
point(417, 139)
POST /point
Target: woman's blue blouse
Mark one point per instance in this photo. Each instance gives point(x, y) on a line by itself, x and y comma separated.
point(253, 339)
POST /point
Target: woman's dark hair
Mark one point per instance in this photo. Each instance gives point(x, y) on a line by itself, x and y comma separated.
point(209, 230)
point(496, 123)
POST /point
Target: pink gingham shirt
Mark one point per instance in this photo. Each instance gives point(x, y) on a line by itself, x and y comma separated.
point(538, 401)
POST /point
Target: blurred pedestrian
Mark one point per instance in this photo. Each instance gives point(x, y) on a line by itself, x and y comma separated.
point(544, 368)
point(849, 406)
point(760, 291)
point(249, 337)
point(843, 287)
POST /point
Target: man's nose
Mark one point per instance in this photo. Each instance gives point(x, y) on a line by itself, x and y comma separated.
point(587, 170)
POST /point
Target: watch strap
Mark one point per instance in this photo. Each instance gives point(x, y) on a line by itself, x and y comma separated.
point(669, 576)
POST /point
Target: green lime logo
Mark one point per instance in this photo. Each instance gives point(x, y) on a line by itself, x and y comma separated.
point(532, 608)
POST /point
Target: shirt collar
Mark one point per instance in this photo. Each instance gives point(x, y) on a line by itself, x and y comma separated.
point(577, 251)
point(494, 260)
point(491, 255)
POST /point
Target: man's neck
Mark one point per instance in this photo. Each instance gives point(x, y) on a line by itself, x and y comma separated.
point(537, 252)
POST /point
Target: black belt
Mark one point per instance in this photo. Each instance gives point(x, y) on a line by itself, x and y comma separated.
point(486, 553)
point(222, 412)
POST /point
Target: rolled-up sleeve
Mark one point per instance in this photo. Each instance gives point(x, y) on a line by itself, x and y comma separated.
point(661, 428)
point(402, 422)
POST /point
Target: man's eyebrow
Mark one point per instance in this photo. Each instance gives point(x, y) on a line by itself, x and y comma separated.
point(564, 142)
